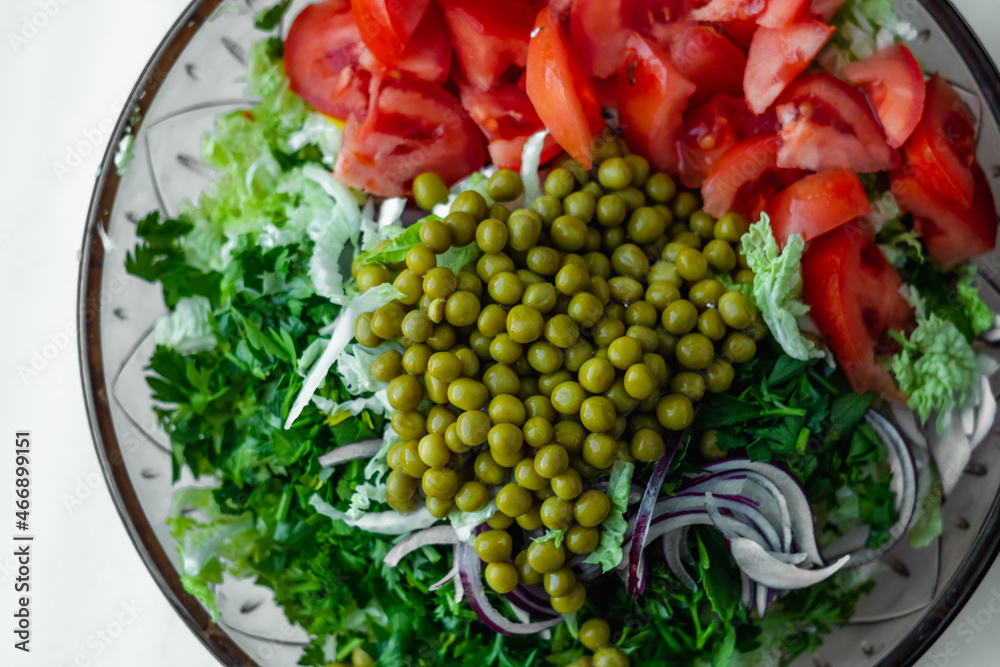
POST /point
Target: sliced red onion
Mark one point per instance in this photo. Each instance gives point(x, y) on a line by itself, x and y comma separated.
point(671, 545)
point(446, 579)
point(730, 527)
point(749, 590)
point(767, 570)
point(459, 588)
point(470, 571)
point(389, 522)
point(791, 493)
point(761, 595)
point(742, 510)
point(636, 571)
point(756, 488)
point(529, 601)
point(442, 534)
point(358, 450)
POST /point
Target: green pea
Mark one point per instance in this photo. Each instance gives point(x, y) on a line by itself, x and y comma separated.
point(505, 185)
point(429, 190)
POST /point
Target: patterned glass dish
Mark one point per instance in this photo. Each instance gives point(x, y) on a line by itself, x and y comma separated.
point(195, 75)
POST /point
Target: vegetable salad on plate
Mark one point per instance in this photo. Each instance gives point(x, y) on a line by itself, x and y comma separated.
point(573, 333)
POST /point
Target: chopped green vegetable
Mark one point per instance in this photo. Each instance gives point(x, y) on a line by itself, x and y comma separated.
point(981, 317)
point(268, 19)
point(777, 285)
point(609, 551)
point(936, 368)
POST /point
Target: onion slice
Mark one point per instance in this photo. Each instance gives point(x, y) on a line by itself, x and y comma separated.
point(766, 570)
point(470, 571)
point(443, 534)
point(389, 522)
point(358, 450)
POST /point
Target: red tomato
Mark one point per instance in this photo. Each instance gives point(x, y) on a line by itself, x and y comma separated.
point(942, 148)
point(853, 296)
point(780, 13)
point(413, 126)
point(652, 96)
point(825, 10)
point(564, 99)
point(895, 84)
point(707, 135)
point(599, 36)
point(387, 26)
point(506, 117)
point(727, 10)
point(488, 37)
point(746, 178)
point(428, 55)
point(826, 123)
point(739, 33)
point(777, 56)
point(816, 204)
point(322, 55)
point(952, 235)
point(709, 61)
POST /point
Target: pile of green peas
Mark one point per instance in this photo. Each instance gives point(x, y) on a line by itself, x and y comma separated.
point(588, 329)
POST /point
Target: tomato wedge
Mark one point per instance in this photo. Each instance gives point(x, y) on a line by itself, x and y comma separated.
point(428, 55)
point(780, 13)
point(895, 85)
point(564, 99)
point(387, 26)
point(413, 126)
point(825, 10)
point(853, 296)
point(746, 178)
point(777, 56)
point(599, 35)
point(952, 235)
point(816, 204)
point(488, 37)
point(707, 135)
point(652, 97)
point(826, 123)
point(942, 148)
point(322, 58)
point(708, 60)
point(727, 10)
point(506, 117)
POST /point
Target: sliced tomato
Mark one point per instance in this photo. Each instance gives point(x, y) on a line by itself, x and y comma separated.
point(727, 10)
point(652, 97)
point(563, 98)
point(826, 123)
point(413, 126)
point(952, 235)
point(825, 10)
point(599, 35)
point(428, 55)
point(387, 26)
point(942, 148)
point(777, 56)
point(488, 37)
point(708, 60)
point(746, 178)
point(894, 83)
point(853, 296)
point(506, 117)
point(816, 204)
point(780, 13)
point(323, 52)
point(707, 135)
point(739, 33)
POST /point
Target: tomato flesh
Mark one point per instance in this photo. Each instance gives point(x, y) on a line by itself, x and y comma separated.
point(599, 35)
point(777, 56)
point(413, 126)
point(488, 37)
point(323, 52)
point(652, 97)
point(563, 98)
point(505, 115)
point(727, 10)
point(853, 296)
point(952, 235)
point(825, 10)
point(387, 27)
point(746, 178)
point(816, 204)
point(708, 60)
point(780, 13)
point(428, 55)
point(895, 85)
point(942, 148)
point(826, 123)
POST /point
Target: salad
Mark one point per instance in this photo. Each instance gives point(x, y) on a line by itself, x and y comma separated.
point(573, 333)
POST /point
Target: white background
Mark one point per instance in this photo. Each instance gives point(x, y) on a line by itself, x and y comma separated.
point(63, 81)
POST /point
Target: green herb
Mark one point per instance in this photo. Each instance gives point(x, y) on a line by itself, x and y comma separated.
point(609, 551)
point(268, 19)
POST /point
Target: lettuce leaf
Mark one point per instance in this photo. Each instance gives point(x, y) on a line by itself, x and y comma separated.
point(936, 368)
point(608, 553)
point(777, 286)
point(188, 329)
point(981, 317)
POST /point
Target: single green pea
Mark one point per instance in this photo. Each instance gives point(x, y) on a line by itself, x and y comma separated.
point(429, 190)
point(505, 185)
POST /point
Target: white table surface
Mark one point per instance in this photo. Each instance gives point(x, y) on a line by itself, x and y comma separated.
point(66, 67)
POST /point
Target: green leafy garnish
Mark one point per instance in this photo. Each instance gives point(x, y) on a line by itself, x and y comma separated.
point(268, 19)
point(609, 551)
